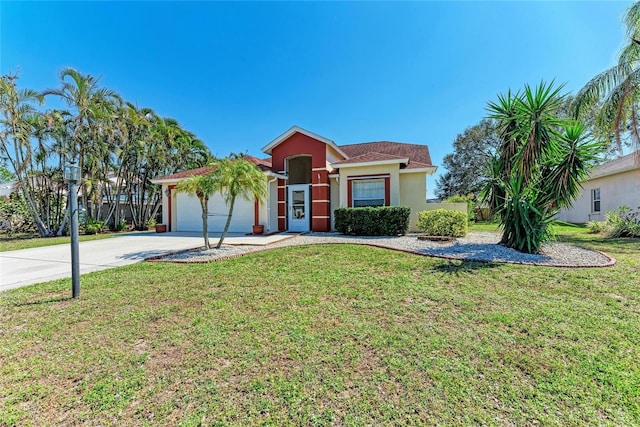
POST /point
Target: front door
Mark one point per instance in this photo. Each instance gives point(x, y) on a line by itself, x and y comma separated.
point(298, 212)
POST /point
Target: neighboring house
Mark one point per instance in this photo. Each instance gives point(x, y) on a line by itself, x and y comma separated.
point(609, 186)
point(8, 188)
point(308, 177)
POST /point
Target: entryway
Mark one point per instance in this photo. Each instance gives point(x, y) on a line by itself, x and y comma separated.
point(298, 209)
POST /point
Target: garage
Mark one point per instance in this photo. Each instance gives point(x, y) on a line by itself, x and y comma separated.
point(189, 214)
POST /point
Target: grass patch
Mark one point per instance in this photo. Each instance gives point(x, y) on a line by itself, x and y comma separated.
point(324, 335)
point(27, 241)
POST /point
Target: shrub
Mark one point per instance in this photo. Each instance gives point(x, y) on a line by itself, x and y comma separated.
point(471, 204)
point(373, 221)
point(122, 226)
point(441, 222)
point(15, 215)
point(624, 222)
point(93, 226)
point(597, 227)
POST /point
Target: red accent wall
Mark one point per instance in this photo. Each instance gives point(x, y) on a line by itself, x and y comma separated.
point(299, 144)
point(387, 191)
point(296, 145)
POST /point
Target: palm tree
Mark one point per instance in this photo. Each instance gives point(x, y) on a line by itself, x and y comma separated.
point(92, 107)
point(539, 165)
point(203, 187)
point(238, 178)
point(615, 91)
point(17, 107)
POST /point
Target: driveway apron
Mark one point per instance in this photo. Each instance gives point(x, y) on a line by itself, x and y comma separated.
point(29, 266)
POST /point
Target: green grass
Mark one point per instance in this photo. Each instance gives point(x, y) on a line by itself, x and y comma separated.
point(328, 335)
point(27, 241)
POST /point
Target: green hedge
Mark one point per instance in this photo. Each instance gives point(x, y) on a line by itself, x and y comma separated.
point(373, 221)
point(441, 222)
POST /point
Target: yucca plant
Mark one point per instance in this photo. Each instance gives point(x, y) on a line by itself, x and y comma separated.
point(539, 165)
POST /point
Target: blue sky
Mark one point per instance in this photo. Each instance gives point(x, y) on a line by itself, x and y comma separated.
point(239, 74)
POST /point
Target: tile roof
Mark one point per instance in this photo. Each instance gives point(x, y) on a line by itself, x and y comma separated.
point(263, 164)
point(415, 152)
point(185, 174)
point(368, 157)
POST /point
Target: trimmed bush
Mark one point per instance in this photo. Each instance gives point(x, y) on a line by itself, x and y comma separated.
point(373, 221)
point(471, 205)
point(441, 222)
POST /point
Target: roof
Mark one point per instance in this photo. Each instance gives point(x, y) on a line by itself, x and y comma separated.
point(417, 154)
point(262, 164)
point(621, 164)
point(412, 157)
point(371, 157)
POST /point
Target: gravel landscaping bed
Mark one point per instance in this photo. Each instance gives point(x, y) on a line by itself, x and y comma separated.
point(476, 246)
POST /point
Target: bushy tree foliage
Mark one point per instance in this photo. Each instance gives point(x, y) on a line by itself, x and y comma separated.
point(118, 146)
point(467, 169)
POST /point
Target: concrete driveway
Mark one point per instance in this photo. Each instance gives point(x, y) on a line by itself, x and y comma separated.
point(29, 266)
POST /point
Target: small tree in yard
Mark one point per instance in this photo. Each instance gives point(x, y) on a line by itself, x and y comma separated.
point(203, 187)
point(238, 178)
point(539, 165)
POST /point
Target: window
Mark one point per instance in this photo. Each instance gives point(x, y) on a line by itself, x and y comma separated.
point(368, 192)
point(595, 200)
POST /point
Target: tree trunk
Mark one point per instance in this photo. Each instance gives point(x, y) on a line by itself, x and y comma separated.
point(228, 223)
point(204, 202)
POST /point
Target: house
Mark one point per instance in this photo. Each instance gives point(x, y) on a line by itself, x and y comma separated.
point(608, 187)
point(8, 188)
point(308, 176)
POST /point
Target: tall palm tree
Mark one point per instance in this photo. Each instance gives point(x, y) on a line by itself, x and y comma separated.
point(539, 165)
point(616, 90)
point(91, 106)
point(238, 178)
point(17, 107)
point(203, 187)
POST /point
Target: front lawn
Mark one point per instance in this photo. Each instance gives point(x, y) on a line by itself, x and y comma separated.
point(328, 335)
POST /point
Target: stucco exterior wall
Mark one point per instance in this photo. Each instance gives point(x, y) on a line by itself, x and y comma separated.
point(413, 194)
point(392, 170)
point(622, 189)
point(271, 219)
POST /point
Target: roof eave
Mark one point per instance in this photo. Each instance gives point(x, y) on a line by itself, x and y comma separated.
point(371, 163)
point(429, 170)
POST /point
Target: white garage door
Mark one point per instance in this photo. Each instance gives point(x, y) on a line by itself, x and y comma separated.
point(189, 214)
